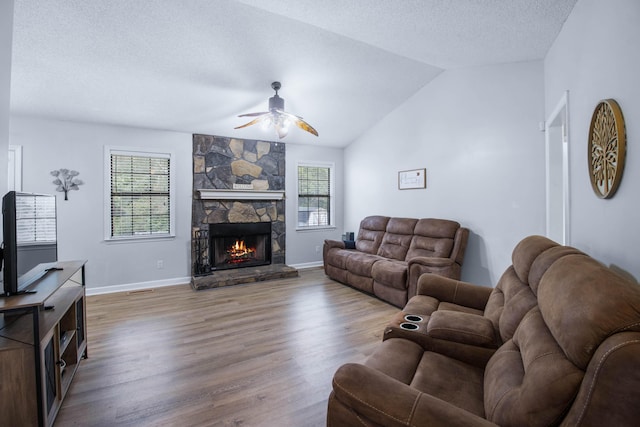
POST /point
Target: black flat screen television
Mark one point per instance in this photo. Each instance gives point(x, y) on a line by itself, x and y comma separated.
point(30, 238)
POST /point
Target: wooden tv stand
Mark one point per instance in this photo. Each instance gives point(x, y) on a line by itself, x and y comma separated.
point(43, 337)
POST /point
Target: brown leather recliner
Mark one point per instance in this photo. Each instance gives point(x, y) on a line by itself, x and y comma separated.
point(467, 319)
point(573, 360)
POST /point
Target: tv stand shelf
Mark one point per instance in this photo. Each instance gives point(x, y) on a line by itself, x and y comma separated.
point(43, 337)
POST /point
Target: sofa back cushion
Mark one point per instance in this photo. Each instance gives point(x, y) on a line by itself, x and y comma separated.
point(432, 238)
point(544, 261)
point(512, 297)
point(526, 252)
point(583, 302)
point(534, 378)
point(509, 301)
point(370, 235)
point(529, 381)
point(397, 238)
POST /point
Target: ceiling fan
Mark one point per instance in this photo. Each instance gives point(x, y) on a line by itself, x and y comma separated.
point(276, 116)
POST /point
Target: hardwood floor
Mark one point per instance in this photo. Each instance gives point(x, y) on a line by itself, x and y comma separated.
point(261, 354)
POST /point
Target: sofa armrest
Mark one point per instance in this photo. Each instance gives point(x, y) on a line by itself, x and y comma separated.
point(418, 266)
point(454, 291)
point(386, 401)
point(462, 327)
point(328, 244)
point(460, 245)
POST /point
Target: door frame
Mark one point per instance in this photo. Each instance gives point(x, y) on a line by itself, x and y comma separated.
point(559, 118)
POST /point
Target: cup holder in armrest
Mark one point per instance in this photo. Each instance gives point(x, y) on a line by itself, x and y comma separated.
point(413, 318)
point(409, 326)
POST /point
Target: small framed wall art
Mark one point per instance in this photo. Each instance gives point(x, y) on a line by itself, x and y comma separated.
point(412, 179)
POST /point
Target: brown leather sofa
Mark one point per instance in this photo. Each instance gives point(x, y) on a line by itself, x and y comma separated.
point(391, 253)
point(573, 358)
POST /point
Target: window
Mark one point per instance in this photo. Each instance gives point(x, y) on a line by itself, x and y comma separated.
point(315, 195)
point(35, 219)
point(140, 195)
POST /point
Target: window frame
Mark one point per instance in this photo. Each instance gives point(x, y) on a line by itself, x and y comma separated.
point(332, 195)
point(139, 152)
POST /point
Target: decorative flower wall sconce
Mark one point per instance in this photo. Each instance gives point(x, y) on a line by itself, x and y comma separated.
point(66, 181)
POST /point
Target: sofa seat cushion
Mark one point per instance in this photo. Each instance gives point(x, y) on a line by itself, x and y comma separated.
point(361, 264)
point(426, 305)
point(451, 380)
point(390, 273)
point(432, 373)
point(338, 257)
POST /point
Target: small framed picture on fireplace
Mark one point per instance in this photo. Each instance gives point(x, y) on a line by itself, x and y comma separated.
point(411, 179)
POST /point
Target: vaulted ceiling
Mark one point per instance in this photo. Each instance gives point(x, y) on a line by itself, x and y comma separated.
point(194, 65)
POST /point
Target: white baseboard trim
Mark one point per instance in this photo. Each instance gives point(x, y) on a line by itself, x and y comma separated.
point(306, 265)
point(129, 287)
point(101, 290)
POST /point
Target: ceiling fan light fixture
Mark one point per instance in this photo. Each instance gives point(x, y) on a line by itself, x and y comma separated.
point(276, 116)
point(266, 123)
point(282, 131)
point(281, 124)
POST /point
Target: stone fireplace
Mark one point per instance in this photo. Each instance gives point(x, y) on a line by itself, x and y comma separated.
point(237, 183)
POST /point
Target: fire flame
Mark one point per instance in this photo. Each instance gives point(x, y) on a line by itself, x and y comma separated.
point(239, 250)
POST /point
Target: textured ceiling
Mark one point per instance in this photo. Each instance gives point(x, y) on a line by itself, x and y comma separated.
point(194, 65)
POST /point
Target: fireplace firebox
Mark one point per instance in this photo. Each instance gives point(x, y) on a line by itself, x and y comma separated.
point(238, 245)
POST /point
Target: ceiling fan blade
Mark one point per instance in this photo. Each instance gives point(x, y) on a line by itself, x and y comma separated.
point(299, 122)
point(253, 114)
point(284, 113)
point(252, 122)
point(305, 126)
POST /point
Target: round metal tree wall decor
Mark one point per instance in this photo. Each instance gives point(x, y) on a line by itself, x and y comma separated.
point(607, 148)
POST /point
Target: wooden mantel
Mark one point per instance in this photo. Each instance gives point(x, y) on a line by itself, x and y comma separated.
point(225, 194)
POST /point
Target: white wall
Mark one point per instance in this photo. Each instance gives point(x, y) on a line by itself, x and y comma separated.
point(6, 37)
point(304, 248)
point(596, 56)
point(49, 145)
point(477, 133)
point(475, 130)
